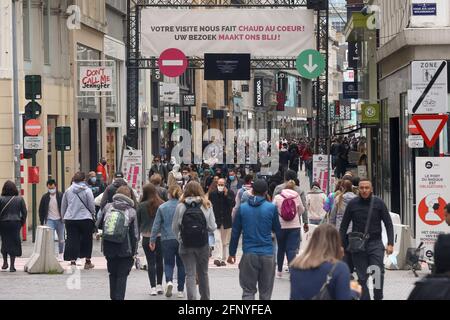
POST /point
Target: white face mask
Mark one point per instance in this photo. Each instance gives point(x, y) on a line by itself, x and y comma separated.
point(52, 191)
point(220, 188)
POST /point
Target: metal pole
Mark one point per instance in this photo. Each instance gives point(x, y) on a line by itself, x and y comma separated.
point(33, 196)
point(63, 180)
point(17, 141)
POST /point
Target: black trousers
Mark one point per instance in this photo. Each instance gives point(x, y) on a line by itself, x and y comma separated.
point(154, 261)
point(371, 262)
point(79, 239)
point(119, 269)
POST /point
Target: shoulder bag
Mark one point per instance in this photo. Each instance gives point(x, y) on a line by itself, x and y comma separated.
point(6, 205)
point(357, 240)
point(324, 293)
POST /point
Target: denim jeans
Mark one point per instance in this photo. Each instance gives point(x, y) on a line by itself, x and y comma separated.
point(58, 226)
point(171, 255)
point(288, 244)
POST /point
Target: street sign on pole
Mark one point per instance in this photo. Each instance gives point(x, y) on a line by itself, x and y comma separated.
point(33, 127)
point(430, 126)
point(172, 63)
point(429, 94)
point(415, 142)
point(33, 143)
point(310, 64)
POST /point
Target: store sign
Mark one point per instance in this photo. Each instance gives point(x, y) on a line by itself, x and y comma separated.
point(424, 9)
point(169, 93)
point(133, 169)
point(370, 113)
point(227, 66)
point(96, 79)
point(353, 55)
point(432, 195)
point(321, 171)
point(259, 92)
point(350, 90)
point(261, 33)
point(189, 100)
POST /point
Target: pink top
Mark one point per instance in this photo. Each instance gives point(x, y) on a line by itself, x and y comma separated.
point(278, 201)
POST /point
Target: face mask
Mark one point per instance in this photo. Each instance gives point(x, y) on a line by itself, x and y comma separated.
point(52, 191)
point(94, 179)
point(220, 188)
point(231, 178)
point(104, 163)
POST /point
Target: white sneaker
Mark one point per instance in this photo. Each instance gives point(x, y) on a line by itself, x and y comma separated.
point(169, 289)
point(180, 295)
point(279, 275)
point(153, 291)
point(60, 258)
point(159, 289)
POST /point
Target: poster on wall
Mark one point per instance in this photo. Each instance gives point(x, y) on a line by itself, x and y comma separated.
point(96, 79)
point(261, 33)
point(321, 173)
point(432, 195)
point(132, 169)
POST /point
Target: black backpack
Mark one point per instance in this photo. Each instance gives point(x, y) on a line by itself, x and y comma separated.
point(194, 232)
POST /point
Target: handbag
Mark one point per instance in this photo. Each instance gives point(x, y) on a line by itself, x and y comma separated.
point(6, 205)
point(93, 214)
point(324, 293)
point(357, 240)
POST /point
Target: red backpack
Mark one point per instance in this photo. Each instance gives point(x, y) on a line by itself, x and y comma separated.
point(288, 209)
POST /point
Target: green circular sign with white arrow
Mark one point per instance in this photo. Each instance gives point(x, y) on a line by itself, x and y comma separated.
point(310, 64)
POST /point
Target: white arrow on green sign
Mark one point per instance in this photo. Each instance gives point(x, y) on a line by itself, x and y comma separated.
point(310, 64)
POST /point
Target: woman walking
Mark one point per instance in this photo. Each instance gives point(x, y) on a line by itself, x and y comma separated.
point(194, 218)
point(120, 240)
point(78, 209)
point(13, 214)
point(290, 208)
point(309, 272)
point(146, 216)
point(169, 242)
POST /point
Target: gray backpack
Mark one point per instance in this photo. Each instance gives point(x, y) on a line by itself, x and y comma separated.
point(115, 225)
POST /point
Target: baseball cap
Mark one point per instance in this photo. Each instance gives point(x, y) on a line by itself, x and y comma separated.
point(260, 186)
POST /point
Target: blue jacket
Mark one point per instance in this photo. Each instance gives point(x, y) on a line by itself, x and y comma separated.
point(305, 284)
point(163, 221)
point(256, 219)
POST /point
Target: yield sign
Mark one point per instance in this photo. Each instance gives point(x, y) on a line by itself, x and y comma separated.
point(430, 126)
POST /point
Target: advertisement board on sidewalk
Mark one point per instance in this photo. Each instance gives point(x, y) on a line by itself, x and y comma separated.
point(321, 173)
point(133, 169)
point(432, 195)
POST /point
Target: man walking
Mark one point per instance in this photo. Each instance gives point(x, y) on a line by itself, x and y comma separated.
point(372, 254)
point(222, 201)
point(255, 219)
point(159, 168)
point(50, 214)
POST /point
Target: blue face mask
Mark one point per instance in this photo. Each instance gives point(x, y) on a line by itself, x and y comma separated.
point(94, 179)
point(231, 178)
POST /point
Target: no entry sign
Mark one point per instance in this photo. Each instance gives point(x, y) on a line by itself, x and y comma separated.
point(33, 127)
point(172, 63)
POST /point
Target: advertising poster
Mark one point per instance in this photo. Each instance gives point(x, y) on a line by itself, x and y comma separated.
point(133, 169)
point(96, 79)
point(261, 33)
point(321, 173)
point(432, 195)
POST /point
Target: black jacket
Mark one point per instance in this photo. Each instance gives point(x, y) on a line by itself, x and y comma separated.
point(357, 212)
point(432, 288)
point(15, 211)
point(44, 204)
point(222, 207)
point(162, 171)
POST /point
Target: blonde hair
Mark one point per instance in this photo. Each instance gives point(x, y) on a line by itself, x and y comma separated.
point(175, 191)
point(290, 185)
point(194, 189)
point(324, 246)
